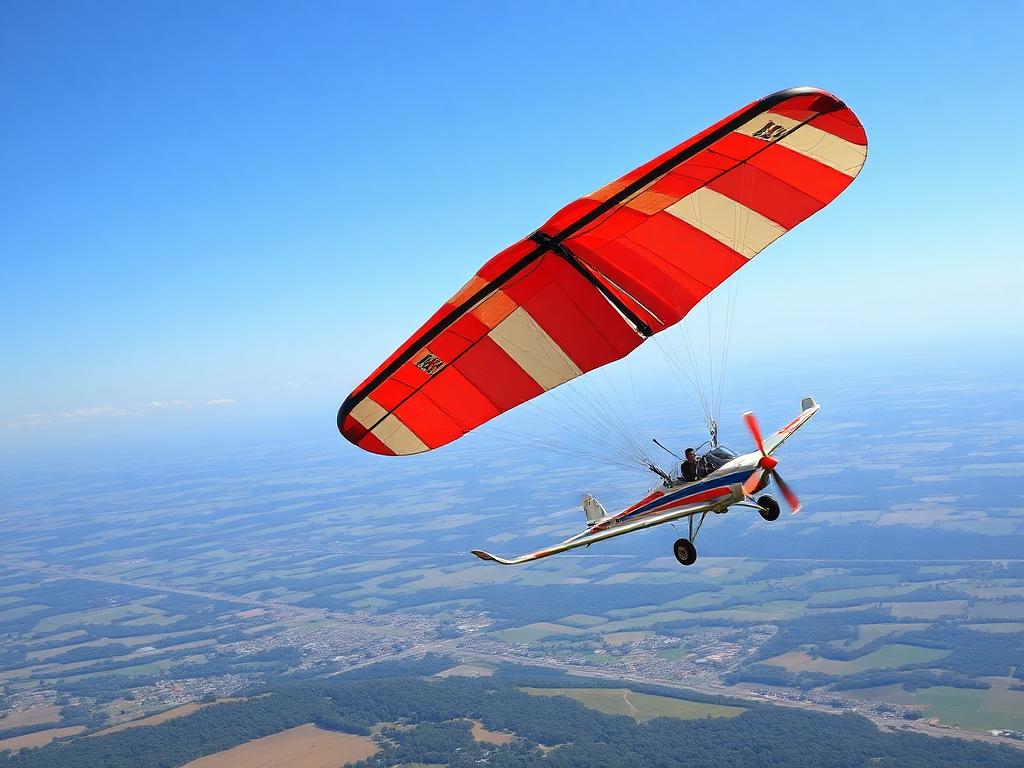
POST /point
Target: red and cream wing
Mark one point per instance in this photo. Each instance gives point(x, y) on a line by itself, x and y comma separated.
point(609, 270)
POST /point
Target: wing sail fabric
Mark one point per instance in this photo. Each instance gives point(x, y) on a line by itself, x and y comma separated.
point(609, 270)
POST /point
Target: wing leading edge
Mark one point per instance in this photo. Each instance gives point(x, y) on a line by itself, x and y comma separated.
point(586, 538)
point(808, 408)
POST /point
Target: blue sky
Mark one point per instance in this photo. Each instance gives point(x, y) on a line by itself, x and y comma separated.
point(246, 206)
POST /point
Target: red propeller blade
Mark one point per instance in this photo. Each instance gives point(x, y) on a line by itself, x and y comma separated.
point(755, 430)
point(787, 492)
point(753, 481)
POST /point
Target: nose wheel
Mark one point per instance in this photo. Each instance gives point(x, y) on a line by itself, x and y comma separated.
point(685, 552)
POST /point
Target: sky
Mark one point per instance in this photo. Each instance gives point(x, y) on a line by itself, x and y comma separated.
point(213, 212)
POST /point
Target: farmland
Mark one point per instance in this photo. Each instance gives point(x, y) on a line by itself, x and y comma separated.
point(639, 706)
point(143, 592)
point(304, 746)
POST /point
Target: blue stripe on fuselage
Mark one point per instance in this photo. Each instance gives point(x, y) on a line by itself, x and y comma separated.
point(691, 490)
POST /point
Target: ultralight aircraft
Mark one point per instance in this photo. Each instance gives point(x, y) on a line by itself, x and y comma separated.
point(731, 481)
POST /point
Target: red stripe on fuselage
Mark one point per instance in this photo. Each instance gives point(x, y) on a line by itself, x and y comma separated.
point(697, 498)
point(645, 500)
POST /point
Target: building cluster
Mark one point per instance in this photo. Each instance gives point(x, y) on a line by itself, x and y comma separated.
point(171, 693)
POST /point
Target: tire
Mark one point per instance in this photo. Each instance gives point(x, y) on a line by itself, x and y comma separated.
point(770, 508)
point(685, 552)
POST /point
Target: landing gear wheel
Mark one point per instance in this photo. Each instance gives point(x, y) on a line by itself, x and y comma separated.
point(685, 552)
point(770, 508)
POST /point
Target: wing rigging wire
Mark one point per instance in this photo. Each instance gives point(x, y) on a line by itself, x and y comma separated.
point(605, 425)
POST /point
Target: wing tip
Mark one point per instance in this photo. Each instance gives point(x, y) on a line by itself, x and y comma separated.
point(499, 560)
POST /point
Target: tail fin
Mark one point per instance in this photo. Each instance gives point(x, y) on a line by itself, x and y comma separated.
point(593, 510)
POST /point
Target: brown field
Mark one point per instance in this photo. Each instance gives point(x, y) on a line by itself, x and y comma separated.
point(39, 738)
point(490, 737)
point(24, 717)
point(303, 747)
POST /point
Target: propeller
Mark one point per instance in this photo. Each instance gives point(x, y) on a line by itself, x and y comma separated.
point(766, 465)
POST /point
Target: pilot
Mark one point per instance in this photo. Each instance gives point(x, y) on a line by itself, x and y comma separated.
point(688, 469)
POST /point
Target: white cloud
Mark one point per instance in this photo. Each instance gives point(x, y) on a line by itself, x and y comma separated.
point(35, 420)
point(40, 420)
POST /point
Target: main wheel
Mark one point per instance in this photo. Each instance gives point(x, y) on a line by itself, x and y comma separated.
point(685, 552)
point(770, 508)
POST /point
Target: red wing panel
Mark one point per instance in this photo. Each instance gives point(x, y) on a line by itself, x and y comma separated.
point(608, 270)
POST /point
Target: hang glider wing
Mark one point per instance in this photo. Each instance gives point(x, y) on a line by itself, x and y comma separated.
point(609, 270)
point(586, 538)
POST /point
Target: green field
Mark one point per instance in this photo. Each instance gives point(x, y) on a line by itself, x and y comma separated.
point(890, 656)
point(639, 706)
point(870, 632)
point(601, 658)
point(859, 593)
point(977, 710)
point(531, 633)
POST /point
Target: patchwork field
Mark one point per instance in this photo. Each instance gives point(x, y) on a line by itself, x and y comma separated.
point(639, 706)
point(303, 747)
point(130, 590)
point(886, 657)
